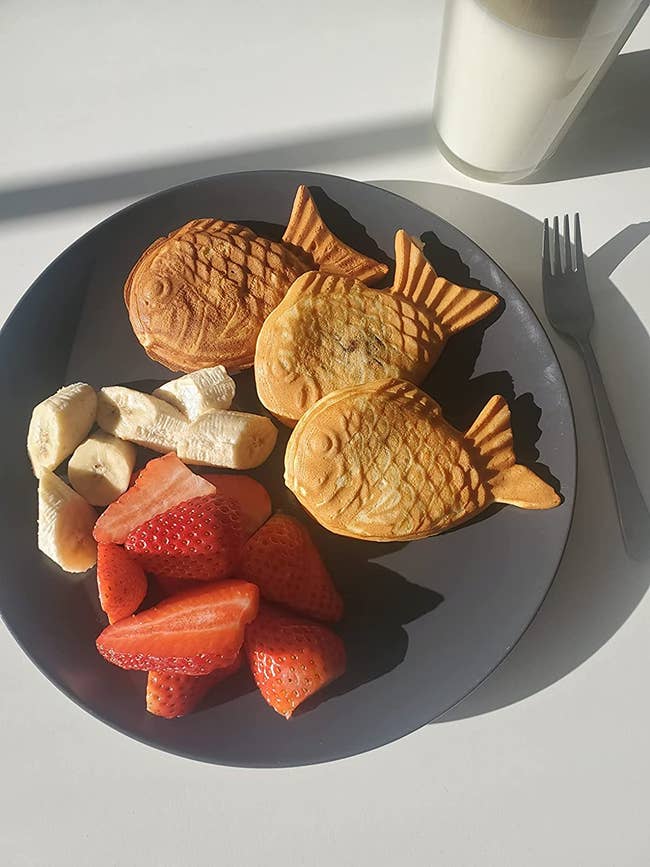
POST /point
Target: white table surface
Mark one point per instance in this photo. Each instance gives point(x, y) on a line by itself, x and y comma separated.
point(548, 761)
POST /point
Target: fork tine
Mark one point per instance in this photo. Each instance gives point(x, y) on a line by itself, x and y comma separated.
point(557, 262)
point(580, 259)
point(568, 264)
point(546, 251)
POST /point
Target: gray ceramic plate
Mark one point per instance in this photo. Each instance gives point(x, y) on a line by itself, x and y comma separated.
point(426, 621)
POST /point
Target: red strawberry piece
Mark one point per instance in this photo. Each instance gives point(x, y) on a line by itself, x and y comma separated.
point(163, 483)
point(252, 497)
point(285, 564)
point(200, 539)
point(173, 695)
point(291, 658)
point(121, 581)
point(170, 586)
point(190, 633)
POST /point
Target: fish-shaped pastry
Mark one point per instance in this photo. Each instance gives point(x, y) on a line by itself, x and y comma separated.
point(378, 461)
point(330, 331)
point(198, 297)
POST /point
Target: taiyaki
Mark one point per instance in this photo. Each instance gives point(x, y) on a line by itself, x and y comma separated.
point(198, 297)
point(378, 461)
point(330, 331)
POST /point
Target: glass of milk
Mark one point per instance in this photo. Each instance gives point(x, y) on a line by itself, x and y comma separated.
point(513, 74)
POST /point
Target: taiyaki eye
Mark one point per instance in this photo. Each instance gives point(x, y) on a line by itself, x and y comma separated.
point(322, 443)
point(157, 290)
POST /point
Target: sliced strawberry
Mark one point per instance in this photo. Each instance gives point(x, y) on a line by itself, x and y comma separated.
point(190, 633)
point(163, 483)
point(121, 581)
point(200, 539)
point(252, 497)
point(285, 564)
point(173, 695)
point(170, 586)
point(291, 658)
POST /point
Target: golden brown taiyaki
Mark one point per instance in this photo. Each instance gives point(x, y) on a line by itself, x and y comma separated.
point(330, 332)
point(378, 461)
point(198, 297)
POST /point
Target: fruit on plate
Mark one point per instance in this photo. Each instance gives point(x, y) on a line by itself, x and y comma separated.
point(163, 483)
point(170, 586)
point(172, 695)
point(197, 393)
point(220, 438)
point(200, 539)
point(65, 525)
point(140, 418)
point(253, 498)
point(285, 564)
point(225, 438)
point(190, 633)
point(100, 468)
point(121, 582)
point(291, 658)
point(58, 424)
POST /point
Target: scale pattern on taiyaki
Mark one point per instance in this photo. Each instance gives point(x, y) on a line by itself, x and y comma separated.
point(379, 461)
point(199, 296)
point(331, 332)
point(389, 476)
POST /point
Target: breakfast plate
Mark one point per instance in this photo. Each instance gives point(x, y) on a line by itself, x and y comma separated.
point(425, 621)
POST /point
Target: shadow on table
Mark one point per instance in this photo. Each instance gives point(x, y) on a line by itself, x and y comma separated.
point(612, 132)
point(376, 139)
point(597, 587)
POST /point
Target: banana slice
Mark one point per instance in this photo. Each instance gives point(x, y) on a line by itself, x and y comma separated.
point(65, 525)
point(100, 468)
point(59, 424)
point(140, 418)
point(220, 438)
point(199, 392)
point(223, 438)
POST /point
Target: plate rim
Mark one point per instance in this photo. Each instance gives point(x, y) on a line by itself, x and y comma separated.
point(114, 217)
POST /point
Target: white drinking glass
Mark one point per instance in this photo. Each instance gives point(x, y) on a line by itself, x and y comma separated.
point(513, 74)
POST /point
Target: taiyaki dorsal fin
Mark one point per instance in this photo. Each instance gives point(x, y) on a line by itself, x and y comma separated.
point(513, 483)
point(307, 231)
point(453, 307)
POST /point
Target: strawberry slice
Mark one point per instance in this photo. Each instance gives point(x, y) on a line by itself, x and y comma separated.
point(121, 582)
point(190, 633)
point(200, 539)
point(163, 483)
point(173, 695)
point(285, 564)
point(170, 586)
point(291, 658)
point(252, 497)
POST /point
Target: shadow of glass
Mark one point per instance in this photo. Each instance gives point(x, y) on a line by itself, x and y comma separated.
point(612, 132)
point(597, 587)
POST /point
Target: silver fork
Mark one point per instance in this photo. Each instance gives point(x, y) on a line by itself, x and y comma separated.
point(569, 309)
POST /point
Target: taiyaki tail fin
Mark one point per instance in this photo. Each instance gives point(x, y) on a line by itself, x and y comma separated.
point(308, 232)
point(454, 307)
point(511, 483)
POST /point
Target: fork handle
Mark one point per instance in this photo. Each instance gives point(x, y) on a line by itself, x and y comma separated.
point(633, 513)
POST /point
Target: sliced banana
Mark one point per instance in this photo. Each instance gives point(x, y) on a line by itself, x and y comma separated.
point(223, 438)
point(65, 525)
point(100, 468)
point(220, 438)
point(199, 392)
point(140, 418)
point(59, 424)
